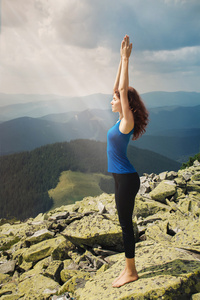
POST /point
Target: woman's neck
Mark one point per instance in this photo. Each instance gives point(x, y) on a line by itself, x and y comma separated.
point(120, 115)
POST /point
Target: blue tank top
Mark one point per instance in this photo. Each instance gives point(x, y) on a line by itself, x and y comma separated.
point(117, 143)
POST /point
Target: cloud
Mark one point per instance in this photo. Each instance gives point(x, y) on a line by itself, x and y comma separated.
point(168, 61)
point(153, 24)
point(72, 47)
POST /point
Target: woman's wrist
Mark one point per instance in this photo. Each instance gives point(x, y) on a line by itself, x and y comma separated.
point(124, 58)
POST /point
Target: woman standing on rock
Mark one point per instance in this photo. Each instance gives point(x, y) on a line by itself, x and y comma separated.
point(133, 118)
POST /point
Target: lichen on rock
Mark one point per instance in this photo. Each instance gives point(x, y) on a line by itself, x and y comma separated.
point(77, 249)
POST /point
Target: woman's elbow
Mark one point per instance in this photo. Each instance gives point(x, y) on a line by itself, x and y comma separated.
point(123, 90)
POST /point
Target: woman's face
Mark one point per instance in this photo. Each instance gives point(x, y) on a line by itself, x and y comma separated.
point(116, 104)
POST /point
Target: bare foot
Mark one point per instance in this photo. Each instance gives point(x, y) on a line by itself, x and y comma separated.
point(121, 274)
point(125, 278)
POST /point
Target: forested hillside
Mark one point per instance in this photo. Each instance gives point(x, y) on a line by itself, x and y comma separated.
point(26, 177)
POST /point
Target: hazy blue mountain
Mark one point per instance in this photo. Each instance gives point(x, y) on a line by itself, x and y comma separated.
point(40, 105)
point(173, 117)
point(10, 99)
point(29, 133)
point(175, 135)
point(161, 118)
point(183, 132)
point(40, 108)
point(158, 99)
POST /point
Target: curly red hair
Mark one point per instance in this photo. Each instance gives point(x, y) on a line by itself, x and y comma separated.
point(140, 113)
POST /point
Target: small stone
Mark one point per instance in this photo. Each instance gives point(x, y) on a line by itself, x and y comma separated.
point(180, 181)
point(4, 278)
point(196, 176)
point(101, 208)
point(143, 179)
point(144, 188)
point(187, 176)
point(59, 216)
point(163, 175)
point(195, 297)
point(49, 292)
point(193, 186)
point(54, 269)
point(7, 267)
point(39, 236)
point(103, 252)
point(171, 175)
point(196, 163)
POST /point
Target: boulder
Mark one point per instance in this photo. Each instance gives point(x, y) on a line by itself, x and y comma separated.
point(77, 248)
point(145, 207)
point(36, 287)
point(164, 273)
point(165, 189)
point(189, 237)
point(95, 229)
point(75, 282)
point(43, 249)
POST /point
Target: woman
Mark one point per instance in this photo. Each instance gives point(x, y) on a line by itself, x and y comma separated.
point(133, 118)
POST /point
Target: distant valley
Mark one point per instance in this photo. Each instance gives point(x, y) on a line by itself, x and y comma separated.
point(42, 139)
point(26, 177)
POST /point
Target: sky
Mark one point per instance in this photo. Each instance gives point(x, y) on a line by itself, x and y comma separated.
point(71, 47)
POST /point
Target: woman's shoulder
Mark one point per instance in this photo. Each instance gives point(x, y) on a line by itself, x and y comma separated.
point(126, 126)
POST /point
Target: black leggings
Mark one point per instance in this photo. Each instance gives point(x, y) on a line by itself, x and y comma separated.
point(126, 188)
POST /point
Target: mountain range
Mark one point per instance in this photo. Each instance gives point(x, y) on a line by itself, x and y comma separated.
point(173, 130)
point(16, 106)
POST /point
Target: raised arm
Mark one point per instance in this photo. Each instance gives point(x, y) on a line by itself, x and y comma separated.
point(116, 84)
point(125, 51)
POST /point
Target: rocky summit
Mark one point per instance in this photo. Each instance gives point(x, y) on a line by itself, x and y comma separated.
point(76, 251)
